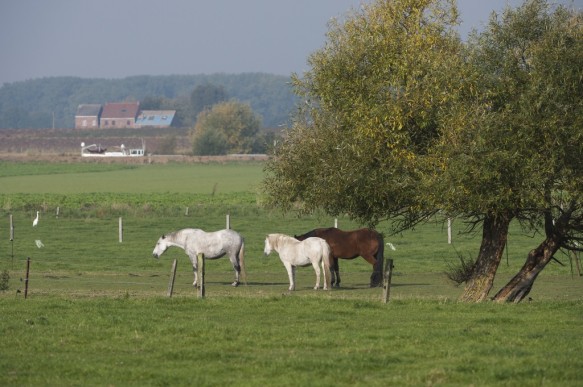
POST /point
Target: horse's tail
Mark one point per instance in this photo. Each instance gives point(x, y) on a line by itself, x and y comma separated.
point(326, 256)
point(242, 262)
point(377, 279)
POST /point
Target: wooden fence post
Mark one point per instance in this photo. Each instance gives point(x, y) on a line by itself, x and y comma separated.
point(449, 231)
point(387, 280)
point(120, 230)
point(172, 278)
point(200, 274)
point(228, 227)
point(12, 239)
point(26, 278)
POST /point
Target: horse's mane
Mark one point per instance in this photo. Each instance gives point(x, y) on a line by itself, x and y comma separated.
point(175, 234)
point(276, 240)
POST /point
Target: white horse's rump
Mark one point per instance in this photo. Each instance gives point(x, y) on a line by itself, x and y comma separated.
point(294, 253)
point(212, 244)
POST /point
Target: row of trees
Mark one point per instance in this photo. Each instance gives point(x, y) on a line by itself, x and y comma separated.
point(40, 103)
point(401, 119)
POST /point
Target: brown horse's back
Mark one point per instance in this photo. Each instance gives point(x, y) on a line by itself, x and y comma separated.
point(349, 244)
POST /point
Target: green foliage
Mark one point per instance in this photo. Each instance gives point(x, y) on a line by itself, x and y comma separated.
point(205, 96)
point(524, 139)
point(228, 127)
point(376, 99)
point(209, 142)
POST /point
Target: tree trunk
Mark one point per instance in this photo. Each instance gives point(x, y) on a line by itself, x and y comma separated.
point(494, 237)
point(519, 286)
point(555, 230)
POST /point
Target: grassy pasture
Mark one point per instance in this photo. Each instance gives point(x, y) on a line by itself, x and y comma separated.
point(88, 178)
point(98, 314)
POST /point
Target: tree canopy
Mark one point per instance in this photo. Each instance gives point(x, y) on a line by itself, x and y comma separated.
point(228, 127)
point(400, 119)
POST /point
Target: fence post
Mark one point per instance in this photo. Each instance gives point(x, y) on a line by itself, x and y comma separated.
point(172, 278)
point(120, 230)
point(26, 278)
point(387, 280)
point(449, 231)
point(12, 239)
point(228, 222)
point(200, 274)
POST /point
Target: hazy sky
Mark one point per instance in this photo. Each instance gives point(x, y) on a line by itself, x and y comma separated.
point(119, 38)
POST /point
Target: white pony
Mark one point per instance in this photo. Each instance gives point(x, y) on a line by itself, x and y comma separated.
point(294, 253)
point(212, 244)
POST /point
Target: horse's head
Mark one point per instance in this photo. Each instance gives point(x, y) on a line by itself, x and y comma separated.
point(267, 250)
point(160, 247)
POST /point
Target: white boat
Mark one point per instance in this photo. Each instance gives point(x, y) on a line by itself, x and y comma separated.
point(95, 150)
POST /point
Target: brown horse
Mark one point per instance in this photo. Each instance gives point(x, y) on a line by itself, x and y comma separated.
point(364, 242)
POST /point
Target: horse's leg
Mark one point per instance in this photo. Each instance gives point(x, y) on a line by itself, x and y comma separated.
point(291, 273)
point(237, 269)
point(376, 276)
point(332, 271)
point(317, 270)
point(335, 273)
point(195, 271)
point(324, 270)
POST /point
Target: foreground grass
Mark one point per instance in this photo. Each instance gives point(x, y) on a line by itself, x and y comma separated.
point(97, 312)
point(287, 340)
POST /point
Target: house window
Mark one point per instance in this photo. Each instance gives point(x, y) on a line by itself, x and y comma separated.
point(94, 123)
point(106, 123)
point(113, 123)
point(84, 124)
point(128, 123)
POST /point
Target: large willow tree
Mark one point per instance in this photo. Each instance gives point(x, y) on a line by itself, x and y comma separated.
point(373, 103)
point(400, 119)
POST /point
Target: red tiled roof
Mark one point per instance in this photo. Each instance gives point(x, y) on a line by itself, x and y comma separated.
point(120, 110)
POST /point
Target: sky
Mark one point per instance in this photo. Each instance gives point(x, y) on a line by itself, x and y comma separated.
point(120, 38)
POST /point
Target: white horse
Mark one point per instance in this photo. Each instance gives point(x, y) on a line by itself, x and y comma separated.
point(212, 244)
point(295, 253)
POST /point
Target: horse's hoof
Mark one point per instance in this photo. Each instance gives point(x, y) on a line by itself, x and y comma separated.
point(235, 284)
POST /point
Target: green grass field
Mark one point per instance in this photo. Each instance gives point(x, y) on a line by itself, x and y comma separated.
point(97, 312)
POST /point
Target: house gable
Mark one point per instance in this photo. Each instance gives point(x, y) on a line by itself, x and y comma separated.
point(119, 115)
point(87, 116)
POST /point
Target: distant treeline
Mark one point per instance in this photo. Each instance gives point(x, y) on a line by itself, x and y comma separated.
point(47, 102)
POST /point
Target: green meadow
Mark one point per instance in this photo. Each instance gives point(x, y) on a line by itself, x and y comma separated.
point(97, 310)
